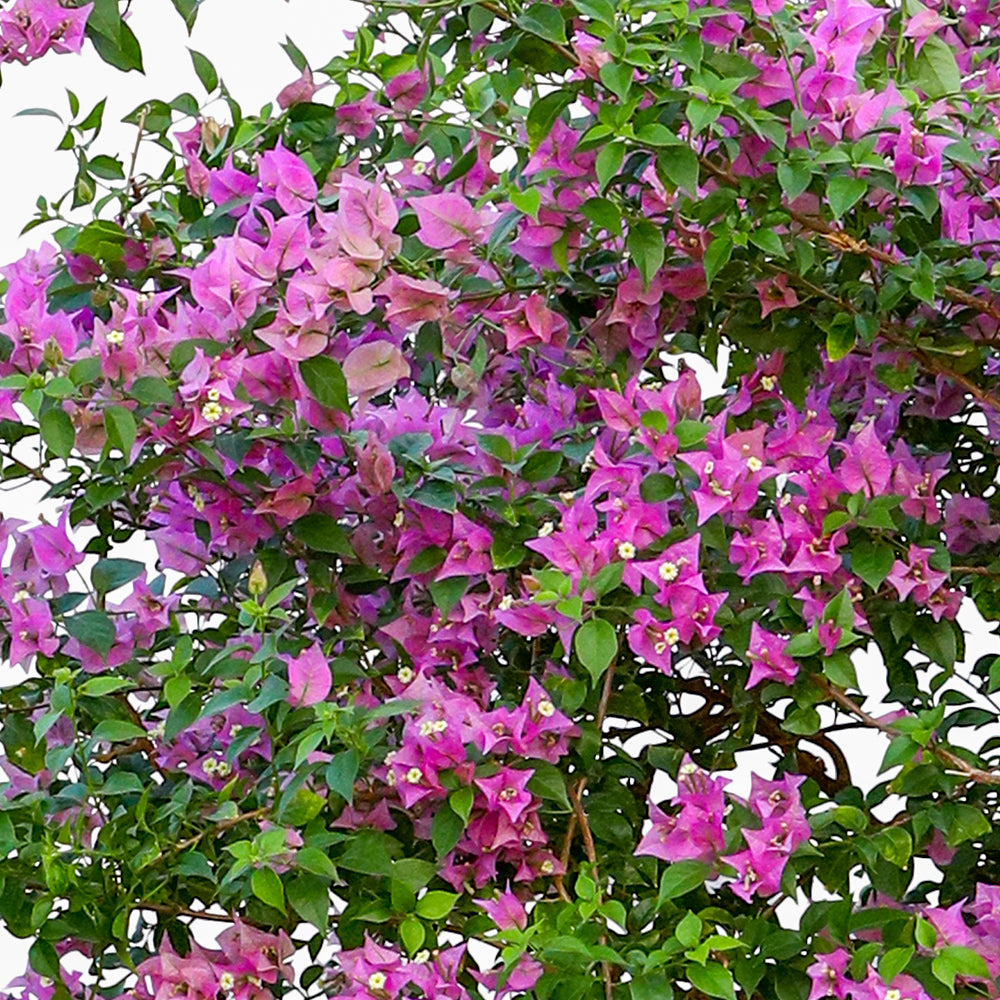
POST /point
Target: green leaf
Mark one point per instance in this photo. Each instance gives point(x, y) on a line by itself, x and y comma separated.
point(717, 257)
point(119, 425)
point(543, 114)
point(123, 53)
point(24, 112)
point(341, 772)
point(461, 801)
point(268, 889)
point(794, 178)
point(545, 21)
point(603, 213)
point(412, 934)
point(43, 959)
point(541, 465)
point(608, 163)
point(548, 782)
point(802, 721)
point(597, 10)
point(528, 201)
point(965, 822)
point(895, 845)
point(324, 378)
point(679, 164)
point(617, 77)
point(107, 168)
point(57, 432)
point(118, 731)
point(713, 979)
point(893, 962)
point(646, 248)
point(935, 70)
point(925, 934)
point(205, 70)
point(690, 433)
point(98, 686)
point(321, 533)
point(682, 877)
point(844, 192)
point(956, 960)
point(596, 645)
point(872, 562)
point(688, 931)
point(93, 629)
point(188, 10)
point(109, 574)
point(446, 829)
point(309, 897)
point(436, 905)
point(150, 389)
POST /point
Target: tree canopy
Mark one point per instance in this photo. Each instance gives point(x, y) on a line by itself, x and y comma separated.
point(414, 613)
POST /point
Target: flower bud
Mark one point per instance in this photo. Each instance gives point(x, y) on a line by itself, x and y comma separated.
point(52, 353)
point(257, 584)
point(463, 377)
point(376, 467)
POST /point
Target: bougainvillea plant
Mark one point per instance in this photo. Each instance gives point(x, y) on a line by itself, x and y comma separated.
point(412, 621)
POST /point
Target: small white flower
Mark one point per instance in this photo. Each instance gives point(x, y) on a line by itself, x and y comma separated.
point(546, 867)
point(224, 769)
point(376, 981)
point(893, 995)
point(506, 602)
point(668, 571)
point(398, 519)
point(767, 383)
point(213, 395)
point(210, 766)
point(754, 464)
point(709, 467)
point(626, 550)
point(688, 769)
point(212, 412)
point(672, 636)
point(227, 981)
point(404, 675)
point(426, 727)
point(414, 776)
point(115, 338)
point(546, 709)
point(546, 529)
point(422, 956)
point(439, 725)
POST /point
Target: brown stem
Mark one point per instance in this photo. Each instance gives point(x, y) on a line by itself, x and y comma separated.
point(963, 767)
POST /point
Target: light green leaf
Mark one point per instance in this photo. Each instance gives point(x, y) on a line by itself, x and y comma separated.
point(596, 645)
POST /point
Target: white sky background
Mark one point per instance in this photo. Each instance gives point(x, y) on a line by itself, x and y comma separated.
point(242, 38)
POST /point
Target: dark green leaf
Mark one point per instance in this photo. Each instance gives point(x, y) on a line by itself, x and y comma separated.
point(57, 432)
point(325, 380)
point(109, 574)
point(680, 878)
point(93, 629)
point(206, 71)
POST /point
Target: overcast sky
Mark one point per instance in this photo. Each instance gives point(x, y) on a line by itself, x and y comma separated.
point(240, 36)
